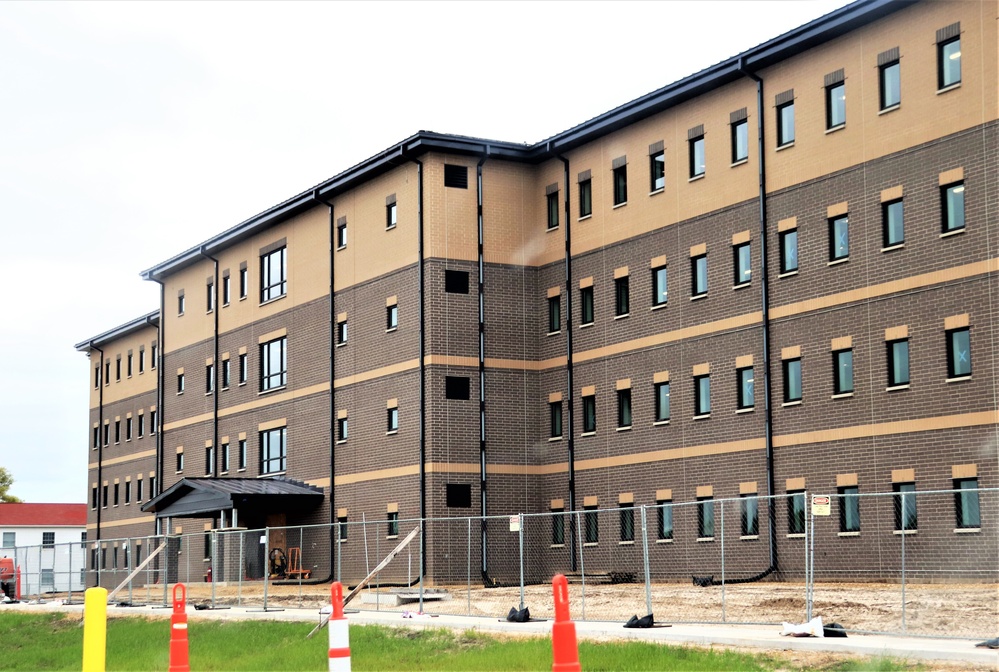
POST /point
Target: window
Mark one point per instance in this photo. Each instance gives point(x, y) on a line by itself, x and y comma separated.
point(558, 527)
point(839, 238)
point(117, 431)
point(785, 124)
point(586, 305)
point(624, 408)
point(97, 377)
point(898, 362)
point(117, 369)
point(210, 297)
point(138, 491)
point(393, 420)
point(702, 395)
point(552, 199)
point(905, 506)
point(661, 392)
point(48, 578)
point(589, 414)
point(890, 78)
point(699, 275)
point(966, 503)
point(117, 493)
point(341, 526)
point(742, 264)
point(391, 317)
point(244, 282)
point(209, 378)
point(9, 539)
point(142, 360)
point(958, 353)
point(128, 367)
point(341, 233)
point(243, 369)
point(585, 198)
point(274, 364)
point(224, 458)
point(104, 497)
point(455, 176)
point(180, 461)
point(341, 332)
point(789, 251)
point(152, 421)
point(48, 539)
point(657, 171)
point(554, 314)
point(393, 524)
point(796, 512)
point(107, 373)
point(128, 492)
point(664, 519)
point(952, 207)
point(208, 545)
point(835, 105)
point(93, 498)
point(107, 432)
point(842, 371)
point(209, 460)
point(892, 224)
point(152, 487)
point(391, 216)
point(456, 387)
point(746, 394)
point(627, 522)
point(660, 288)
point(341, 429)
point(696, 149)
point(750, 510)
point(241, 457)
point(592, 525)
point(226, 378)
point(455, 282)
point(152, 356)
point(555, 416)
point(128, 429)
point(180, 383)
point(273, 279)
point(792, 380)
point(621, 297)
point(97, 437)
point(849, 509)
point(705, 517)
point(180, 304)
point(949, 63)
point(740, 141)
point(225, 290)
point(620, 177)
point(273, 451)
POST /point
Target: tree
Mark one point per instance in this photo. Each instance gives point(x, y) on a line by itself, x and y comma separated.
point(6, 480)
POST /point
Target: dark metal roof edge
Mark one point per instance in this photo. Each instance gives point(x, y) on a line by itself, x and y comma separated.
point(122, 330)
point(795, 41)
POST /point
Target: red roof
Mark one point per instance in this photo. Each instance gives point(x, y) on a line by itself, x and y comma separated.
point(43, 515)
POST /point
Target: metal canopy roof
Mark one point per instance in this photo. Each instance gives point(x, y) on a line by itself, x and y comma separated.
point(193, 497)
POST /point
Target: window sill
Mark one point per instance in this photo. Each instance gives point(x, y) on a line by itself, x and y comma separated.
point(896, 246)
point(179, 472)
point(889, 109)
point(842, 395)
point(242, 298)
point(745, 410)
point(272, 473)
point(658, 423)
point(848, 534)
point(242, 384)
point(956, 85)
point(787, 274)
point(695, 178)
point(664, 541)
point(179, 394)
point(225, 388)
point(740, 162)
point(699, 296)
point(624, 429)
point(787, 145)
point(620, 317)
point(280, 388)
point(554, 439)
point(967, 530)
point(180, 314)
point(619, 205)
point(904, 532)
point(742, 285)
point(749, 537)
point(339, 441)
point(551, 228)
point(556, 546)
point(391, 536)
point(340, 345)
point(702, 417)
point(836, 262)
point(657, 191)
point(554, 333)
point(225, 305)
point(224, 473)
point(591, 543)
point(836, 128)
point(128, 440)
point(584, 326)
point(626, 543)
point(209, 311)
point(588, 434)
point(391, 432)
point(959, 379)
point(209, 393)
point(895, 388)
point(705, 540)
point(584, 217)
point(658, 306)
point(342, 247)
point(796, 402)
point(391, 329)
point(241, 470)
point(948, 234)
point(796, 535)
point(390, 228)
point(276, 298)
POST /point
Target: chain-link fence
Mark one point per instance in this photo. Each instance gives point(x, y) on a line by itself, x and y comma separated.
point(917, 563)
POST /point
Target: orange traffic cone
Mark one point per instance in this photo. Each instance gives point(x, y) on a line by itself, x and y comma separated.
point(178, 631)
point(339, 634)
point(565, 650)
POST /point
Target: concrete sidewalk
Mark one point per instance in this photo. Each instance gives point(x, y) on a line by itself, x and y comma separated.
point(764, 638)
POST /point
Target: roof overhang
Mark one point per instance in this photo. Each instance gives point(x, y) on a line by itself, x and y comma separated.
point(148, 320)
point(196, 497)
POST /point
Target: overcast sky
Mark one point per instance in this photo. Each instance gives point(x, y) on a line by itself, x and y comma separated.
point(130, 132)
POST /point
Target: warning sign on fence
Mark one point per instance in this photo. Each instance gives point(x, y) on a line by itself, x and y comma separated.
point(515, 523)
point(821, 505)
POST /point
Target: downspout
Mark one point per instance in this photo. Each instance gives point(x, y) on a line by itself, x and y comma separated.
point(765, 306)
point(216, 307)
point(160, 397)
point(568, 364)
point(482, 371)
point(100, 443)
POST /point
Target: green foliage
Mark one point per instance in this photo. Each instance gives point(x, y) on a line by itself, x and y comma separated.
point(6, 481)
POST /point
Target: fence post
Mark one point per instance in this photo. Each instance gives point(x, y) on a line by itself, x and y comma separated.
point(40, 576)
point(905, 512)
point(267, 562)
point(721, 524)
point(521, 536)
point(213, 566)
point(645, 559)
point(339, 548)
point(582, 567)
point(423, 531)
point(810, 566)
point(468, 570)
point(69, 573)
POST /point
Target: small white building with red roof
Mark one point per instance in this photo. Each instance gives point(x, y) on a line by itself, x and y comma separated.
point(48, 543)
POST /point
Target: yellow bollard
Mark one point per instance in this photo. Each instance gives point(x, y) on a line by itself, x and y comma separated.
point(95, 629)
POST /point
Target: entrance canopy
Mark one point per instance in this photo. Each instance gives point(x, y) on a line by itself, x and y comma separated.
point(195, 497)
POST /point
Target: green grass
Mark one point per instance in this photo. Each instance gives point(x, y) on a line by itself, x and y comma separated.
point(55, 642)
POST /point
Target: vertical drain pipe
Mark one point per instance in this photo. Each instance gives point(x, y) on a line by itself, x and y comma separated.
point(215, 361)
point(568, 363)
point(161, 356)
point(100, 445)
point(482, 366)
point(765, 305)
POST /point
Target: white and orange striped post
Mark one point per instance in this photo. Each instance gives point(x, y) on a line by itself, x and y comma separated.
point(339, 632)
